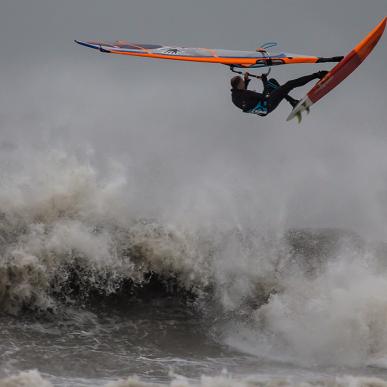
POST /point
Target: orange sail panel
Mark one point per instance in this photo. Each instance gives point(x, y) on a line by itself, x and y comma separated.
point(253, 59)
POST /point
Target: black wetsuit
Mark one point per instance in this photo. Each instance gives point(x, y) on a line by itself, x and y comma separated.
point(272, 95)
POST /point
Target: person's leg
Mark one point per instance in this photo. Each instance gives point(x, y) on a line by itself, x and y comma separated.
point(273, 84)
point(270, 85)
point(293, 102)
point(277, 95)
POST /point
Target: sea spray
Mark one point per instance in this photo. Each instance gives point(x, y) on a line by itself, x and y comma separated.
point(69, 235)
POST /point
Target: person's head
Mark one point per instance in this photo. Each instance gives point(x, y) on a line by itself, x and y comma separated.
point(237, 82)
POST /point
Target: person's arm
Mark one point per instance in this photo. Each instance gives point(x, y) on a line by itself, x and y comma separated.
point(246, 79)
point(262, 77)
point(264, 80)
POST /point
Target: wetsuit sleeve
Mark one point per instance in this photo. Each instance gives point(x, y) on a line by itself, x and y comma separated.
point(264, 80)
point(247, 81)
point(246, 99)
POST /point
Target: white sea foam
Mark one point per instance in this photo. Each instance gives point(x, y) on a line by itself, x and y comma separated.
point(25, 379)
point(34, 379)
point(59, 215)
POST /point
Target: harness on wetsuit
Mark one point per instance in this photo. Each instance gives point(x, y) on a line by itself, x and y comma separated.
point(261, 108)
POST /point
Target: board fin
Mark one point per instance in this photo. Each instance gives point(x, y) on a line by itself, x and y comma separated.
point(303, 105)
point(299, 117)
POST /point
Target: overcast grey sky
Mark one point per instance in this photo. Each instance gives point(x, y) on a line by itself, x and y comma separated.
point(172, 124)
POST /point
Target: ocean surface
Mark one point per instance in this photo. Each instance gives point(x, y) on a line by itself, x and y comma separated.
point(93, 294)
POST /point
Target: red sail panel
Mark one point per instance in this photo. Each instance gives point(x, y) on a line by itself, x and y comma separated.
point(348, 64)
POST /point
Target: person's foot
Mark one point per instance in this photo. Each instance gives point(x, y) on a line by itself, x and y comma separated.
point(321, 74)
point(294, 102)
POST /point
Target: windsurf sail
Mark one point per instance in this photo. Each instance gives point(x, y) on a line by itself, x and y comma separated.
point(242, 59)
point(341, 71)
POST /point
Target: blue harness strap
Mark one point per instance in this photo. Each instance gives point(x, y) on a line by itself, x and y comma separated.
point(260, 109)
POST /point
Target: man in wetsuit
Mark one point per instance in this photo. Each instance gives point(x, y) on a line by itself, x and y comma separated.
point(273, 93)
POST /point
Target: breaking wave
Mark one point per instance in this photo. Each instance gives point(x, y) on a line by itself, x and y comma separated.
point(70, 236)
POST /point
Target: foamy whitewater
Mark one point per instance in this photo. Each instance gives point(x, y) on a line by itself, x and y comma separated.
point(97, 290)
